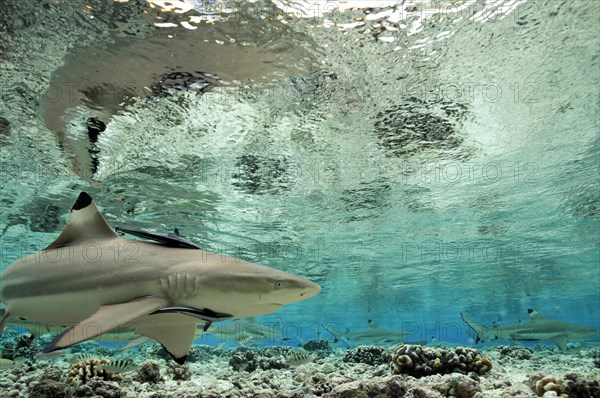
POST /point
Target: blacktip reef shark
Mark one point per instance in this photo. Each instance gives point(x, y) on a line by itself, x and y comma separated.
point(373, 335)
point(538, 327)
point(94, 281)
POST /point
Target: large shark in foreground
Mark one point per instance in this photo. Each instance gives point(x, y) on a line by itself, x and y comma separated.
point(94, 281)
point(538, 327)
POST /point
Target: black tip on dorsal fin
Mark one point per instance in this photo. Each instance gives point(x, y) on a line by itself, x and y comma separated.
point(176, 232)
point(530, 310)
point(83, 201)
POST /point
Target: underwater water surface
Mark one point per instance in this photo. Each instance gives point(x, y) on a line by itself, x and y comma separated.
point(416, 159)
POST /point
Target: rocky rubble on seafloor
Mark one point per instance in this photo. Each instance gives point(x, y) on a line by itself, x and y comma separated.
point(361, 372)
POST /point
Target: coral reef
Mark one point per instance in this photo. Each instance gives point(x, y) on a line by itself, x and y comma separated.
point(52, 373)
point(596, 356)
point(83, 372)
point(202, 353)
point(371, 355)
point(50, 389)
point(460, 386)
point(457, 386)
point(421, 361)
point(514, 352)
point(541, 384)
point(571, 385)
point(565, 374)
point(317, 345)
point(577, 386)
point(24, 346)
point(245, 359)
point(149, 372)
point(178, 372)
point(100, 388)
point(378, 387)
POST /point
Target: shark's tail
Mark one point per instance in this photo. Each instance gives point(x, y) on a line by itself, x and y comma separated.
point(478, 328)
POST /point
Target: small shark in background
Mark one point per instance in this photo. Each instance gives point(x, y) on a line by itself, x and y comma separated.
point(538, 327)
point(242, 331)
point(93, 282)
point(372, 335)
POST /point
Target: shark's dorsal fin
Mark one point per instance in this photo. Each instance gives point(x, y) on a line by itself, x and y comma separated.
point(533, 314)
point(170, 240)
point(85, 223)
point(372, 323)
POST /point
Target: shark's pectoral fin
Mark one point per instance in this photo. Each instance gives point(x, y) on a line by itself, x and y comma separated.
point(107, 318)
point(174, 332)
point(560, 340)
point(85, 222)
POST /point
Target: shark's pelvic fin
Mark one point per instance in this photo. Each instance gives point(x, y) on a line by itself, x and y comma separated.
point(170, 240)
point(85, 223)
point(107, 318)
point(175, 332)
point(560, 340)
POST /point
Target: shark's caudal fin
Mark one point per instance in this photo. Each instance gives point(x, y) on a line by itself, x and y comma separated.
point(85, 222)
point(478, 328)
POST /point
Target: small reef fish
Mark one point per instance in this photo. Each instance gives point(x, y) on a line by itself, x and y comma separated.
point(6, 363)
point(299, 357)
point(49, 356)
point(538, 327)
point(120, 366)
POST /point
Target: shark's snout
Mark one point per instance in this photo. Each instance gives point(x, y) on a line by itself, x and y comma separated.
point(311, 289)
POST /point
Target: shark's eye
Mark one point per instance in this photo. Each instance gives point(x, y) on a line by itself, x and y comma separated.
point(279, 284)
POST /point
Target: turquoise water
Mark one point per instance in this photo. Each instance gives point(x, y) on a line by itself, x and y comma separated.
point(431, 160)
